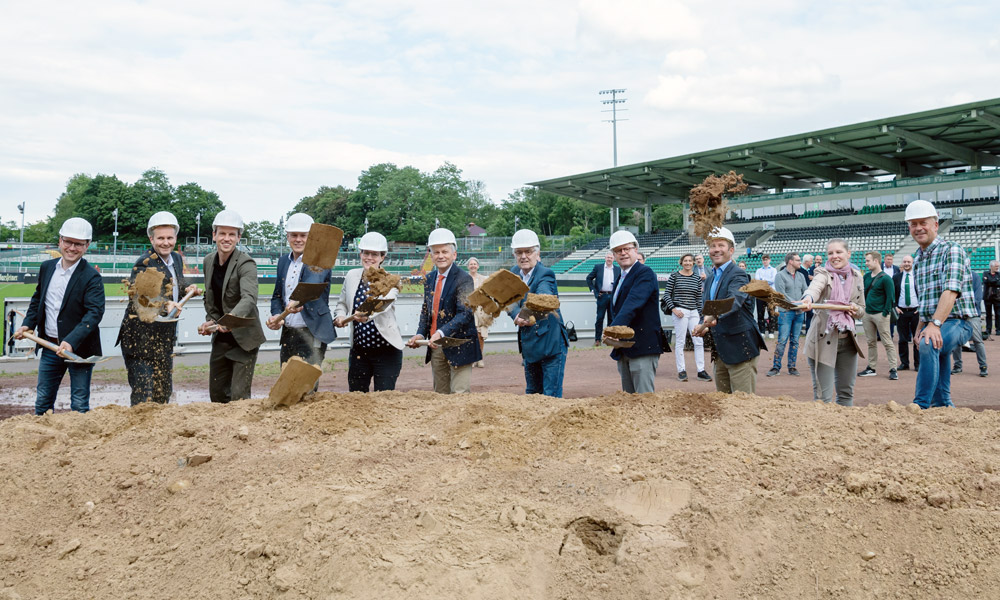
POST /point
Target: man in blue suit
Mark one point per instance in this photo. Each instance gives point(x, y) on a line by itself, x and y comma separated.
point(308, 328)
point(635, 304)
point(601, 282)
point(66, 308)
point(445, 313)
point(543, 343)
point(738, 342)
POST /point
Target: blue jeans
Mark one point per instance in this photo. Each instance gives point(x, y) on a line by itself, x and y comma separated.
point(934, 376)
point(51, 368)
point(789, 326)
point(545, 376)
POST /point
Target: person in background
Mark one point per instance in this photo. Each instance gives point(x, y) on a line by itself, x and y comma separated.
point(376, 344)
point(742, 265)
point(601, 280)
point(907, 302)
point(682, 300)
point(809, 263)
point(890, 269)
point(642, 258)
point(66, 308)
point(483, 321)
point(977, 335)
point(879, 302)
point(765, 273)
point(991, 298)
point(699, 266)
point(792, 283)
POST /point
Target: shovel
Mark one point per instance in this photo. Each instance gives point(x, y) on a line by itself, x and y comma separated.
point(231, 322)
point(70, 357)
point(172, 315)
point(303, 292)
point(445, 342)
point(500, 290)
point(369, 307)
point(616, 343)
point(714, 308)
point(322, 246)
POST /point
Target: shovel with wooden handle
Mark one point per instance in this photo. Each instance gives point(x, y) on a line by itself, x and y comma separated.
point(303, 292)
point(172, 315)
point(70, 357)
point(369, 307)
point(445, 342)
point(714, 308)
point(322, 246)
point(797, 306)
point(230, 322)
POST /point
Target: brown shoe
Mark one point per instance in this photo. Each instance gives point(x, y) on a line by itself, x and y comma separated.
point(597, 343)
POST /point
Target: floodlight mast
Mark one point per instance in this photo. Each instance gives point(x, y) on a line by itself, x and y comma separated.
point(614, 102)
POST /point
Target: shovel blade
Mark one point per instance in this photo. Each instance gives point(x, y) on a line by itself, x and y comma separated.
point(718, 307)
point(234, 322)
point(322, 246)
point(307, 292)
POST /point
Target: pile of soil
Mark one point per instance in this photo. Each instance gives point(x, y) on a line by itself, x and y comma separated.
point(542, 302)
point(380, 281)
point(619, 332)
point(707, 201)
point(417, 495)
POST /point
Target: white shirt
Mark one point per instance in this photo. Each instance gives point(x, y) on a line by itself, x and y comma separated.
point(891, 271)
point(54, 297)
point(291, 281)
point(169, 261)
point(609, 278)
point(766, 274)
point(526, 277)
point(620, 281)
point(910, 282)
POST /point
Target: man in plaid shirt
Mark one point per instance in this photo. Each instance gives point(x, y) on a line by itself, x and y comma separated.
point(944, 289)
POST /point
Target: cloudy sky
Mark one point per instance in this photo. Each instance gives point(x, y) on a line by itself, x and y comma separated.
point(266, 101)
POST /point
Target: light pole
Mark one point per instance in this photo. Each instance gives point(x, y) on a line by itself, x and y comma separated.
point(366, 224)
point(20, 249)
point(114, 260)
point(614, 102)
point(197, 238)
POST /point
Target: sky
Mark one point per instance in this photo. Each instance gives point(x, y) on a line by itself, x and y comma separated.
point(264, 102)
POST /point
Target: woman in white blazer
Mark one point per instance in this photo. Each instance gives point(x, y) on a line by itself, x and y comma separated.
point(376, 344)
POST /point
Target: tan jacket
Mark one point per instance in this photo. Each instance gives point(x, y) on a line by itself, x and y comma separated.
point(385, 321)
point(821, 346)
point(239, 297)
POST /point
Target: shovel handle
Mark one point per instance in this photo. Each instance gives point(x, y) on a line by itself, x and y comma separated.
point(49, 345)
point(173, 314)
point(827, 307)
point(291, 304)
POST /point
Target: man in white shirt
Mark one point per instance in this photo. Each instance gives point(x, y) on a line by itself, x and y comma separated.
point(765, 273)
point(905, 285)
point(601, 281)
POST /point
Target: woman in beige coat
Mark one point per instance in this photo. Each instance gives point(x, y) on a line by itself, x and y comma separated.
point(831, 348)
point(483, 320)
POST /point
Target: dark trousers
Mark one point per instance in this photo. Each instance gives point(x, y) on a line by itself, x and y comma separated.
point(299, 341)
point(51, 368)
point(764, 324)
point(809, 320)
point(230, 371)
point(603, 308)
point(907, 324)
point(992, 317)
point(365, 364)
point(151, 376)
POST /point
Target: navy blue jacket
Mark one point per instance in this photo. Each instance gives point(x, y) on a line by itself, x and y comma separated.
point(547, 337)
point(455, 318)
point(316, 313)
point(81, 311)
point(596, 277)
point(638, 307)
point(736, 336)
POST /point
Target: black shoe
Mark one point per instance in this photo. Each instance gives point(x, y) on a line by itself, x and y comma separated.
point(869, 372)
point(983, 372)
point(956, 370)
point(892, 375)
point(904, 368)
point(773, 372)
point(704, 376)
point(682, 376)
point(793, 372)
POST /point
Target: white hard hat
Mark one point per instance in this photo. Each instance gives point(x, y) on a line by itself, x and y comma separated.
point(524, 238)
point(721, 233)
point(298, 223)
point(920, 209)
point(620, 238)
point(228, 218)
point(161, 219)
point(441, 236)
point(373, 241)
point(77, 228)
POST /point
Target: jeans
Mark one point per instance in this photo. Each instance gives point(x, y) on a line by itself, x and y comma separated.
point(789, 326)
point(603, 309)
point(381, 364)
point(683, 326)
point(977, 344)
point(299, 341)
point(51, 368)
point(934, 377)
point(545, 376)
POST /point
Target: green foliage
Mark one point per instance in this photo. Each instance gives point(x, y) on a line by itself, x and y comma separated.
point(270, 233)
point(668, 216)
point(189, 199)
point(328, 205)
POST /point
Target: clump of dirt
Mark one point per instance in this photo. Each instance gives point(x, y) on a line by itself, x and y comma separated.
point(542, 302)
point(501, 289)
point(707, 201)
point(619, 332)
point(380, 281)
point(145, 293)
point(761, 289)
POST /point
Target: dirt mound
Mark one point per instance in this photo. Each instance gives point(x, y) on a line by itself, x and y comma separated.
point(707, 201)
point(406, 495)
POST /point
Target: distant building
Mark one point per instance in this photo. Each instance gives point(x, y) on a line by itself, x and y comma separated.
point(474, 230)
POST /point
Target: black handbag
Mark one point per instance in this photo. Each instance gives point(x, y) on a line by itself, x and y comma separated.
point(571, 331)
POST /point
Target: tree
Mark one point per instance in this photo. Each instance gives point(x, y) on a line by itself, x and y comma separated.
point(668, 216)
point(269, 232)
point(189, 200)
point(66, 205)
point(328, 205)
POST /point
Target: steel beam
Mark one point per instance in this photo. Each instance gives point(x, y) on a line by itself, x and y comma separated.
point(616, 196)
point(674, 175)
point(968, 156)
point(666, 191)
point(809, 168)
point(778, 183)
point(891, 165)
point(985, 117)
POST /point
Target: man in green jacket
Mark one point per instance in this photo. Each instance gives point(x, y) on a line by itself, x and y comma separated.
point(880, 298)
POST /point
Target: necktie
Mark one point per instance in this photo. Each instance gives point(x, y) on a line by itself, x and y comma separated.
point(437, 302)
point(906, 294)
point(715, 284)
point(618, 288)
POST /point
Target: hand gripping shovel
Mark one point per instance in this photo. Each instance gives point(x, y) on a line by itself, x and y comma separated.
point(231, 322)
point(369, 307)
point(445, 342)
point(303, 292)
point(172, 315)
point(70, 357)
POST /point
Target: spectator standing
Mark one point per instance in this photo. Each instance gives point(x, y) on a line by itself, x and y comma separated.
point(991, 298)
point(809, 263)
point(483, 321)
point(765, 273)
point(601, 280)
point(790, 281)
point(890, 269)
point(699, 266)
point(682, 301)
point(879, 303)
point(907, 302)
point(977, 335)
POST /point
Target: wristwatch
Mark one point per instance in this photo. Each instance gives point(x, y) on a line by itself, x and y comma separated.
point(937, 322)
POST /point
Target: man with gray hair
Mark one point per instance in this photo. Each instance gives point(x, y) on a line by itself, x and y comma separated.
point(792, 283)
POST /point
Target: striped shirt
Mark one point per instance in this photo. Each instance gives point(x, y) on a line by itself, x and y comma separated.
point(682, 291)
point(944, 266)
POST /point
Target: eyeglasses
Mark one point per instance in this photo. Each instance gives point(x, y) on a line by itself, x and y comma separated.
point(371, 254)
point(70, 244)
point(525, 252)
point(623, 250)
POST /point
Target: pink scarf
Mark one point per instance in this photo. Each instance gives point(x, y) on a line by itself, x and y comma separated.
point(841, 284)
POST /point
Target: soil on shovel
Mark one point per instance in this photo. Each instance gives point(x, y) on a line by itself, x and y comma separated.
point(542, 302)
point(380, 281)
point(145, 294)
point(708, 201)
point(619, 332)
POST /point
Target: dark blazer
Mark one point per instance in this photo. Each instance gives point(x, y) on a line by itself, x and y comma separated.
point(239, 297)
point(547, 337)
point(81, 311)
point(147, 339)
point(897, 285)
point(455, 318)
point(736, 336)
point(595, 280)
point(637, 306)
point(316, 313)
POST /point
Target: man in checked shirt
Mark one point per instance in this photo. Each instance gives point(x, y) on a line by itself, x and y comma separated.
point(944, 288)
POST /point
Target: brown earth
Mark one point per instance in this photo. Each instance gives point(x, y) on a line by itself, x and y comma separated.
point(708, 204)
point(380, 281)
point(542, 302)
point(619, 332)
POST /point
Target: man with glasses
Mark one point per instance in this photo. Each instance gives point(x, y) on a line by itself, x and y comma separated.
point(67, 308)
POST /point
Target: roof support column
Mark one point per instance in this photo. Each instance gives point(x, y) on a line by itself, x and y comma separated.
point(614, 218)
point(649, 216)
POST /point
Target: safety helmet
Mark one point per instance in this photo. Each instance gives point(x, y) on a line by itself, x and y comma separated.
point(524, 238)
point(721, 233)
point(373, 241)
point(920, 209)
point(162, 219)
point(77, 228)
point(620, 238)
point(298, 223)
point(228, 218)
point(441, 236)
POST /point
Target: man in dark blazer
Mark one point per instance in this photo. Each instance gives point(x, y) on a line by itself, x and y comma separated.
point(446, 314)
point(148, 345)
point(66, 308)
point(308, 328)
point(907, 317)
point(738, 342)
point(635, 304)
point(542, 344)
point(601, 282)
point(230, 288)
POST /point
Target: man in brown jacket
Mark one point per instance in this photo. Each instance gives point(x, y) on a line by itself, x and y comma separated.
point(230, 288)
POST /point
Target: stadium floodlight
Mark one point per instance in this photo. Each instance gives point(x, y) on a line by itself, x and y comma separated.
point(114, 260)
point(900, 144)
point(762, 166)
point(20, 248)
point(614, 102)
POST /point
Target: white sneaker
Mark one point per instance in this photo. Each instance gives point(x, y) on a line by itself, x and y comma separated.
point(770, 335)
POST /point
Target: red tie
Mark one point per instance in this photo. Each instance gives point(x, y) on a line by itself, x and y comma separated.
point(437, 303)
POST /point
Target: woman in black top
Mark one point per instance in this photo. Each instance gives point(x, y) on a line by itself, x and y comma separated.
point(682, 300)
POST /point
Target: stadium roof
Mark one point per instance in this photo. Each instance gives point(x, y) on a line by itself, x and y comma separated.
point(946, 140)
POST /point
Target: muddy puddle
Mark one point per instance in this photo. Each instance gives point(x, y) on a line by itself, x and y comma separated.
point(20, 400)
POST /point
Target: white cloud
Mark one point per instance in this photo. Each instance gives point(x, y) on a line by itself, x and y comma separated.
point(689, 59)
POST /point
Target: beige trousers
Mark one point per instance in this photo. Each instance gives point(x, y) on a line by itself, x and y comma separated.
point(449, 379)
point(741, 377)
point(879, 324)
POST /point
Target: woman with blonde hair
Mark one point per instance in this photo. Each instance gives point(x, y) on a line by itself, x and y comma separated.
point(483, 321)
point(831, 347)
